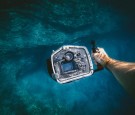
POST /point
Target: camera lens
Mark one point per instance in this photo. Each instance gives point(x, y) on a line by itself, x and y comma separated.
point(69, 56)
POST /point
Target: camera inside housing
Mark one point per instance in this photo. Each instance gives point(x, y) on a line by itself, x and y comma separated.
point(71, 63)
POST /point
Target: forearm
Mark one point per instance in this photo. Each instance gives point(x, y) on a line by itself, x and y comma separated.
point(124, 72)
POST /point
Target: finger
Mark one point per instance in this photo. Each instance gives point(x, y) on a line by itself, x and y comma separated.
point(96, 55)
point(97, 50)
point(95, 62)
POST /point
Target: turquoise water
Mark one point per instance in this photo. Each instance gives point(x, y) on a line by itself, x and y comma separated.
point(30, 30)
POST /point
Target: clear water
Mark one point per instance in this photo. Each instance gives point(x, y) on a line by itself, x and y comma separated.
point(30, 30)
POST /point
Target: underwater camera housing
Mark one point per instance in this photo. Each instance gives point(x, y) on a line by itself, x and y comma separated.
point(70, 63)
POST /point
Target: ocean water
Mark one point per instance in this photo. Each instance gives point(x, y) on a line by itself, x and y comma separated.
point(31, 29)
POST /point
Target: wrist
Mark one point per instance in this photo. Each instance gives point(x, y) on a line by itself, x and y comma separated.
point(110, 62)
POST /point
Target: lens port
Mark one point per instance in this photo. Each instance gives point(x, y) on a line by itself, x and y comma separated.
point(69, 56)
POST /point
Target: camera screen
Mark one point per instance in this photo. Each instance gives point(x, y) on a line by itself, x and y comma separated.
point(67, 66)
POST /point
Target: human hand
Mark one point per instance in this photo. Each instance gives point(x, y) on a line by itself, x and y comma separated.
point(101, 57)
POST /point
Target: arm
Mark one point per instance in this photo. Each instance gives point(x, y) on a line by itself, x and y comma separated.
point(124, 72)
